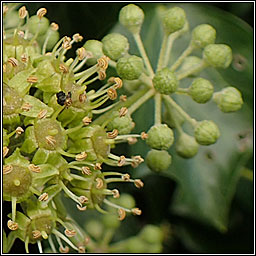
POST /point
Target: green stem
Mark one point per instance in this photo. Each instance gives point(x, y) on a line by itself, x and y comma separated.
point(193, 70)
point(140, 101)
point(192, 121)
point(14, 200)
point(146, 80)
point(182, 57)
point(182, 91)
point(143, 53)
point(158, 108)
point(107, 237)
point(247, 174)
point(162, 52)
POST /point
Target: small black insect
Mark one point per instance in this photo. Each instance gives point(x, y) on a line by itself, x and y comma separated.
point(64, 99)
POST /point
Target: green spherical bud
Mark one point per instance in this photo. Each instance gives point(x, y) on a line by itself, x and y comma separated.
point(115, 46)
point(151, 234)
point(126, 201)
point(52, 40)
point(174, 19)
point(203, 35)
point(186, 146)
point(201, 90)
point(110, 221)
point(123, 124)
point(94, 228)
point(165, 81)
point(36, 25)
point(158, 160)
point(129, 68)
point(131, 16)
point(228, 99)
point(135, 245)
point(218, 55)
point(95, 48)
point(160, 136)
point(206, 132)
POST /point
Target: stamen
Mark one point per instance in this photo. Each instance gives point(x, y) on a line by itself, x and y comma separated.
point(66, 43)
point(64, 250)
point(22, 12)
point(87, 120)
point(97, 166)
point(77, 38)
point(7, 168)
point(40, 248)
point(24, 57)
point(36, 234)
point(123, 111)
point(100, 183)
point(34, 168)
point(26, 107)
point(81, 249)
point(70, 232)
point(126, 177)
point(81, 157)
point(113, 134)
point(63, 68)
point(123, 98)
point(136, 161)
point(81, 208)
point(121, 213)
point(86, 170)
point(138, 183)
point(103, 62)
point(52, 244)
point(41, 12)
point(12, 225)
point(112, 94)
point(136, 211)
point(144, 135)
point(32, 79)
point(54, 26)
point(121, 161)
point(13, 62)
point(44, 235)
point(42, 114)
point(5, 9)
point(116, 193)
point(21, 34)
point(44, 197)
point(81, 53)
point(19, 131)
point(59, 235)
point(102, 74)
point(4, 68)
point(83, 199)
point(50, 140)
point(5, 151)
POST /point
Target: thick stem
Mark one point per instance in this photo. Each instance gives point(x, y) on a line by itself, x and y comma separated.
point(158, 109)
point(193, 70)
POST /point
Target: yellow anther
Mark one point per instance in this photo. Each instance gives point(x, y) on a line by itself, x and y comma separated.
point(86, 170)
point(82, 156)
point(23, 12)
point(136, 211)
point(138, 183)
point(144, 135)
point(7, 168)
point(121, 213)
point(26, 107)
point(70, 232)
point(87, 120)
point(54, 26)
point(116, 193)
point(77, 37)
point(42, 114)
point(64, 250)
point(44, 197)
point(32, 79)
point(81, 208)
point(63, 68)
point(50, 140)
point(123, 111)
point(41, 12)
point(34, 168)
point(99, 182)
point(5, 151)
point(13, 62)
point(81, 53)
point(83, 199)
point(12, 225)
point(112, 94)
point(113, 134)
point(121, 161)
point(36, 234)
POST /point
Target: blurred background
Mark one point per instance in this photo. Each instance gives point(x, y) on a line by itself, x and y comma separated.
point(182, 235)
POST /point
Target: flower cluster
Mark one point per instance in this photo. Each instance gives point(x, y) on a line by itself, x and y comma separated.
point(52, 142)
point(139, 77)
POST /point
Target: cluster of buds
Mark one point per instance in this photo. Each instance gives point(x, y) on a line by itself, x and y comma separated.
point(138, 76)
point(51, 107)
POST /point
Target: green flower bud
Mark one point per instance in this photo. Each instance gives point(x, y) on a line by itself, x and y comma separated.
point(218, 55)
point(174, 19)
point(123, 124)
point(151, 234)
point(158, 160)
point(53, 39)
point(94, 228)
point(135, 245)
point(129, 68)
point(206, 132)
point(186, 146)
point(36, 25)
point(131, 16)
point(115, 46)
point(190, 62)
point(228, 99)
point(12, 101)
point(160, 136)
point(126, 201)
point(203, 35)
point(110, 221)
point(201, 90)
point(165, 81)
point(95, 48)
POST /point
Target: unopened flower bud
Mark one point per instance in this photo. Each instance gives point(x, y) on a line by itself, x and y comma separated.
point(218, 55)
point(203, 35)
point(152, 234)
point(158, 160)
point(186, 146)
point(129, 68)
point(160, 136)
point(115, 45)
point(95, 48)
point(131, 16)
point(165, 81)
point(228, 99)
point(201, 90)
point(174, 19)
point(206, 132)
